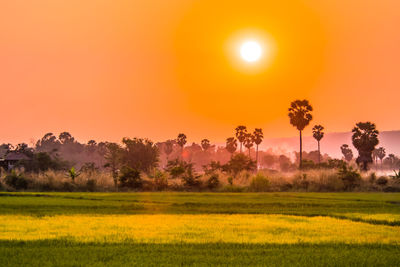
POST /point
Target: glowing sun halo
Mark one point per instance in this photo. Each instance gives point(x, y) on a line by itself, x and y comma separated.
point(251, 51)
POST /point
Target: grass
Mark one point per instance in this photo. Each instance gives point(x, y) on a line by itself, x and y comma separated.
point(274, 229)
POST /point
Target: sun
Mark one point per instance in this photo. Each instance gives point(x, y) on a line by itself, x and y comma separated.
point(251, 51)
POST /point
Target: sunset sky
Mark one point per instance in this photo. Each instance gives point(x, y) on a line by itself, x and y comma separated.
point(154, 68)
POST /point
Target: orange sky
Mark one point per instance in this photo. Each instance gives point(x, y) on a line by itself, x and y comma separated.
point(154, 68)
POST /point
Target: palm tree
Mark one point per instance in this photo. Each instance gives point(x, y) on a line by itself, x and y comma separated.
point(300, 116)
point(241, 135)
point(381, 153)
point(181, 140)
point(231, 145)
point(258, 137)
point(318, 134)
point(347, 152)
point(248, 141)
point(205, 144)
point(365, 139)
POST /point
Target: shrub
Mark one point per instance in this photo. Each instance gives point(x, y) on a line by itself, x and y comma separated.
point(301, 182)
point(190, 179)
point(382, 181)
point(213, 182)
point(16, 181)
point(68, 186)
point(259, 183)
point(160, 180)
point(350, 177)
point(130, 178)
point(239, 163)
point(177, 168)
point(91, 185)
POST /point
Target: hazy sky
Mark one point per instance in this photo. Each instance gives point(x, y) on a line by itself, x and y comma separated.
point(154, 68)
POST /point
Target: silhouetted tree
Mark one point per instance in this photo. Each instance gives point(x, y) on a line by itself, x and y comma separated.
point(365, 139)
point(381, 153)
point(241, 132)
point(248, 141)
point(91, 146)
point(238, 163)
point(347, 152)
point(300, 116)
point(65, 138)
point(113, 159)
point(205, 144)
point(181, 140)
point(140, 154)
point(258, 137)
point(231, 145)
point(318, 134)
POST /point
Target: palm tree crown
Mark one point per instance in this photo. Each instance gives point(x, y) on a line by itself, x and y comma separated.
point(205, 144)
point(318, 132)
point(231, 145)
point(300, 114)
point(241, 132)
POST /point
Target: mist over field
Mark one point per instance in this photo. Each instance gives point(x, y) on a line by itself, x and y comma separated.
point(332, 143)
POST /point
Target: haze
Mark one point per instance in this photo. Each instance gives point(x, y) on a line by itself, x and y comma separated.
point(108, 69)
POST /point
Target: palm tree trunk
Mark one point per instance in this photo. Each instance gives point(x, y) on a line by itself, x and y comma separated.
point(240, 147)
point(301, 151)
point(249, 154)
point(257, 156)
point(319, 154)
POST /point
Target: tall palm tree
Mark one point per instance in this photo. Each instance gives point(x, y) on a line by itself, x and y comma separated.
point(231, 145)
point(241, 132)
point(181, 140)
point(318, 134)
point(205, 144)
point(258, 137)
point(248, 141)
point(300, 116)
point(365, 139)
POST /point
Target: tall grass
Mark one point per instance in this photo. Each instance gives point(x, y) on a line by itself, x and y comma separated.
point(299, 181)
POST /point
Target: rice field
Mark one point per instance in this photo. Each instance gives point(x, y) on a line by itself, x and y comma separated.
point(169, 229)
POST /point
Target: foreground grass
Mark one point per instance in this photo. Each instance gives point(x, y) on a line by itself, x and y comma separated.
point(206, 228)
point(274, 229)
point(64, 253)
point(41, 204)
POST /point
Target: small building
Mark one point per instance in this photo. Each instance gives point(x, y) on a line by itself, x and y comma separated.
point(9, 161)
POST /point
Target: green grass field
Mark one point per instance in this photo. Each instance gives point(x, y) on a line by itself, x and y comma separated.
point(272, 229)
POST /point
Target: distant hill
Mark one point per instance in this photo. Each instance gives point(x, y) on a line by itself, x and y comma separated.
point(331, 143)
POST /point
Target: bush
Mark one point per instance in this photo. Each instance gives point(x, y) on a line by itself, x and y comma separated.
point(177, 168)
point(16, 181)
point(213, 182)
point(350, 177)
point(191, 180)
point(301, 182)
point(130, 178)
point(160, 180)
point(382, 181)
point(91, 185)
point(259, 183)
point(239, 163)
